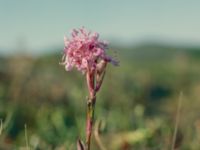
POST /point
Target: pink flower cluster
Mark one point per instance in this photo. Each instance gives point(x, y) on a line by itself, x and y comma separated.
point(85, 51)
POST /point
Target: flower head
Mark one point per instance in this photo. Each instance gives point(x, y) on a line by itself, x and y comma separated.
point(85, 51)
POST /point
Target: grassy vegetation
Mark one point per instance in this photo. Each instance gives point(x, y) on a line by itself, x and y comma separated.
point(137, 104)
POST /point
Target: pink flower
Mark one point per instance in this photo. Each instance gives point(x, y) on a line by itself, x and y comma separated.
point(85, 51)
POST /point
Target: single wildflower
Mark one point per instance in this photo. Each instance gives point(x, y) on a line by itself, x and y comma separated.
point(84, 51)
point(87, 53)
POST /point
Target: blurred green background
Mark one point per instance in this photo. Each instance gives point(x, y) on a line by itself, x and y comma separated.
point(138, 98)
point(157, 44)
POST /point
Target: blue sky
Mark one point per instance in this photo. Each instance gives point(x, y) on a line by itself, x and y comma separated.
point(41, 24)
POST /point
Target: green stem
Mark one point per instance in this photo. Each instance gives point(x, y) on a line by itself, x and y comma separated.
point(90, 120)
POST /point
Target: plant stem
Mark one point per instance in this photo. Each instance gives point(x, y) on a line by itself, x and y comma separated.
point(90, 119)
point(177, 121)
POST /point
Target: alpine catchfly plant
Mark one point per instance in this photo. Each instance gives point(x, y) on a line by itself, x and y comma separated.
point(85, 52)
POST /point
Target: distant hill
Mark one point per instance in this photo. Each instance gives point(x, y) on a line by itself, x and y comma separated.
point(142, 51)
point(155, 51)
